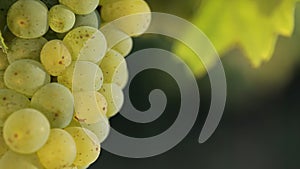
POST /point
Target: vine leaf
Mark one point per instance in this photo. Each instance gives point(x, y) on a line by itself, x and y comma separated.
point(252, 25)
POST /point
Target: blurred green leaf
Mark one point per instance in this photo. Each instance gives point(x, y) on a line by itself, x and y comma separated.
point(252, 25)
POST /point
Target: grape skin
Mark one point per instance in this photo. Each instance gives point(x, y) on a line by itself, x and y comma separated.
point(115, 68)
point(61, 18)
point(93, 20)
point(59, 151)
point(87, 145)
point(11, 101)
point(55, 57)
point(59, 111)
point(26, 131)
point(28, 19)
point(135, 15)
point(81, 7)
point(86, 44)
point(25, 76)
point(114, 97)
point(25, 49)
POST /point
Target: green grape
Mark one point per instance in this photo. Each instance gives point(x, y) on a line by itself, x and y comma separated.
point(25, 76)
point(82, 76)
point(61, 18)
point(88, 149)
point(81, 7)
point(114, 97)
point(2, 84)
point(25, 49)
point(11, 101)
point(59, 151)
point(115, 68)
point(137, 12)
point(100, 129)
point(12, 160)
point(28, 19)
point(3, 146)
point(93, 20)
point(3, 60)
point(117, 40)
point(82, 167)
point(90, 106)
point(55, 57)
point(26, 131)
point(86, 43)
point(56, 102)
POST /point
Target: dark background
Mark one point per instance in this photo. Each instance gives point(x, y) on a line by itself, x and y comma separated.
point(261, 123)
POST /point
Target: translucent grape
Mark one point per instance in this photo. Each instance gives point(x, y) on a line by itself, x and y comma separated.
point(81, 7)
point(56, 102)
point(11, 101)
point(82, 76)
point(2, 84)
point(100, 129)
point(117, 40)
point(86, 43)
point(26, 131)
point(137, 14)
point(25, 76)
point(3, 60)
point(61, 18)
point(28, 18)
point(12, 160)
point(25, 49)
point(114, 97)
point(59, 151)
point(92, 20)
point(55, 57)
point(88, 149)
point(115, 68)
point(90, 106)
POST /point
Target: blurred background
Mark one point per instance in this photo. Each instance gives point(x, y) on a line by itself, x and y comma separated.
point(261, 123)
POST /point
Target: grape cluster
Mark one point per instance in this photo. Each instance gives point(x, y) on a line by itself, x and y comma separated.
point(62, 71)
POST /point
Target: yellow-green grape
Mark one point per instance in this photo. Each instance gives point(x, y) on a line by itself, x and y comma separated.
point(86, 43)
point(135, 15)
point(90, 107)
point(3, 60)
point(82, 76)
point(28, 19)
point(55, 57)
point(82, 167)
point(61, 18)
point(92, 20)
point(100, 129)
point(88, 149)
point(25, 49)
point(2, 84)
point(3, 147)
point(59, 151)
point(13, 160)
point(115, 68)
point(26, 131)
point(81, 7)
point(11, 101)
point(117, 40)
point(26, 76)
point(56, 102)
point(114, 97)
